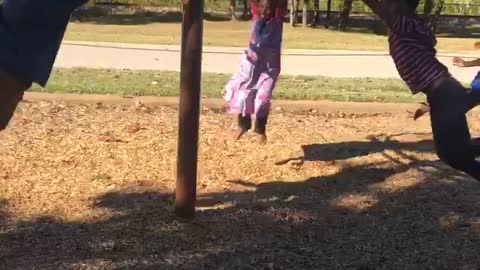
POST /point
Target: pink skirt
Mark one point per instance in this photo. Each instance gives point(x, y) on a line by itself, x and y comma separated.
point(250, 89)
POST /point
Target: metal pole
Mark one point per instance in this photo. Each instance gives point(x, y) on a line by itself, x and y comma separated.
point(189, 110)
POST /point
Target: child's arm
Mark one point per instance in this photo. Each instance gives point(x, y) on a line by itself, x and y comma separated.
point(379, 9)
point(462, 63)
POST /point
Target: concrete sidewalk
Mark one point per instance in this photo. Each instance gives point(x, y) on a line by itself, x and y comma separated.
point(340, 64)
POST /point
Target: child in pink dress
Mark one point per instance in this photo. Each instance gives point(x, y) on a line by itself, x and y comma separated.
point(250, 89)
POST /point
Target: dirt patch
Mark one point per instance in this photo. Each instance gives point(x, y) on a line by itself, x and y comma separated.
point(89, 187)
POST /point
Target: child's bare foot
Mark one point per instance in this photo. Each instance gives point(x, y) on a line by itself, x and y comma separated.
point(239, 133)
point(262, 139)
point(422, 110)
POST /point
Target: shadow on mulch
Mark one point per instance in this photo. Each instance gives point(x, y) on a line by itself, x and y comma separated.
point(430, 224)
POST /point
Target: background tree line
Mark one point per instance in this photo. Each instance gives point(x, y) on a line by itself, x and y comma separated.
point(336, 13)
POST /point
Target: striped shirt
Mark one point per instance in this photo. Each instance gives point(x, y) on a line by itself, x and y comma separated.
point(412, 47)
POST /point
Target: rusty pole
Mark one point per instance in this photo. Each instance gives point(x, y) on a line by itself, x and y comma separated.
point(189, 110)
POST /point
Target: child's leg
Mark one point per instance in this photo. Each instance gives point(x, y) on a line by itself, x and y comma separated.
point(30, 33)
point(261, 128)
point(448, 104)
point(11, 93)
point(261, 125)
point(245, 122)
point(263, 102)
point(473, 101)
point(244, 125)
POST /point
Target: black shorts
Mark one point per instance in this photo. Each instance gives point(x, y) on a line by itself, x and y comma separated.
point(31, 32)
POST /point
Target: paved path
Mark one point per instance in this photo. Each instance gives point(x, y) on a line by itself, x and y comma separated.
point(224, 60)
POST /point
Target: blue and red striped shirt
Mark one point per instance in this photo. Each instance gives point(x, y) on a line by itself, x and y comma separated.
point(412, 47)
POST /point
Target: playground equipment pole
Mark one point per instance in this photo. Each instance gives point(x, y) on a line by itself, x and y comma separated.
point(189, 109)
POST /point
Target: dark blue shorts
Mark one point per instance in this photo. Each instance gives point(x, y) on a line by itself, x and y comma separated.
point(31, 32)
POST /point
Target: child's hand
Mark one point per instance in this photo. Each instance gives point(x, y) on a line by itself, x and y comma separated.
point(459, 62)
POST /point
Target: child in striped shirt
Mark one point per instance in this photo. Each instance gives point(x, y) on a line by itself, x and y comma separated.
point(412, 47)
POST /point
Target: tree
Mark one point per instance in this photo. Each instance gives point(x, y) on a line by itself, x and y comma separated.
point(233, 5)
point(438, 12)
point(427, 10)
point(316, 13)
point(305, 14)
point(345, 15)
point(245, 9)
point(292, 13)
point(329, 13)
point(329, 9)
point(297, 7)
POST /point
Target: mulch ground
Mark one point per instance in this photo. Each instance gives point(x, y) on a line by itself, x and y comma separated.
point(90, 187)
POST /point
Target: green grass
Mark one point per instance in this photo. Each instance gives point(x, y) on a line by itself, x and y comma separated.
point(236, 34)
point(154, 83)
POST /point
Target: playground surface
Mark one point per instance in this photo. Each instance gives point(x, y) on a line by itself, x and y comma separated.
point(88, 186)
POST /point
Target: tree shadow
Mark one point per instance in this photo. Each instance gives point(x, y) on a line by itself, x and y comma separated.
point(373, 144)
point(3, 213)
point(364, 216)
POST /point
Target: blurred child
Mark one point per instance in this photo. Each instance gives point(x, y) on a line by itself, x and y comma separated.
point(250, 89)
point(30, 35)
point(473, 63)
point(412, 47)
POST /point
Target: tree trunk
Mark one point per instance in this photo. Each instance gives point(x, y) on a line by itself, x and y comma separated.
point(316, 13)
point(427, 10)
point(305, 14)
point(329, 13)
point(292, 13)
point(297, 8)
point(436, 17)
point(232, 10)
point(345, 15)
point(329, 9)
point(245, 9)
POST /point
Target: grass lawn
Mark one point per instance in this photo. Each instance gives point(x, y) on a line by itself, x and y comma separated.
point(236, 34)
point(160, 83)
